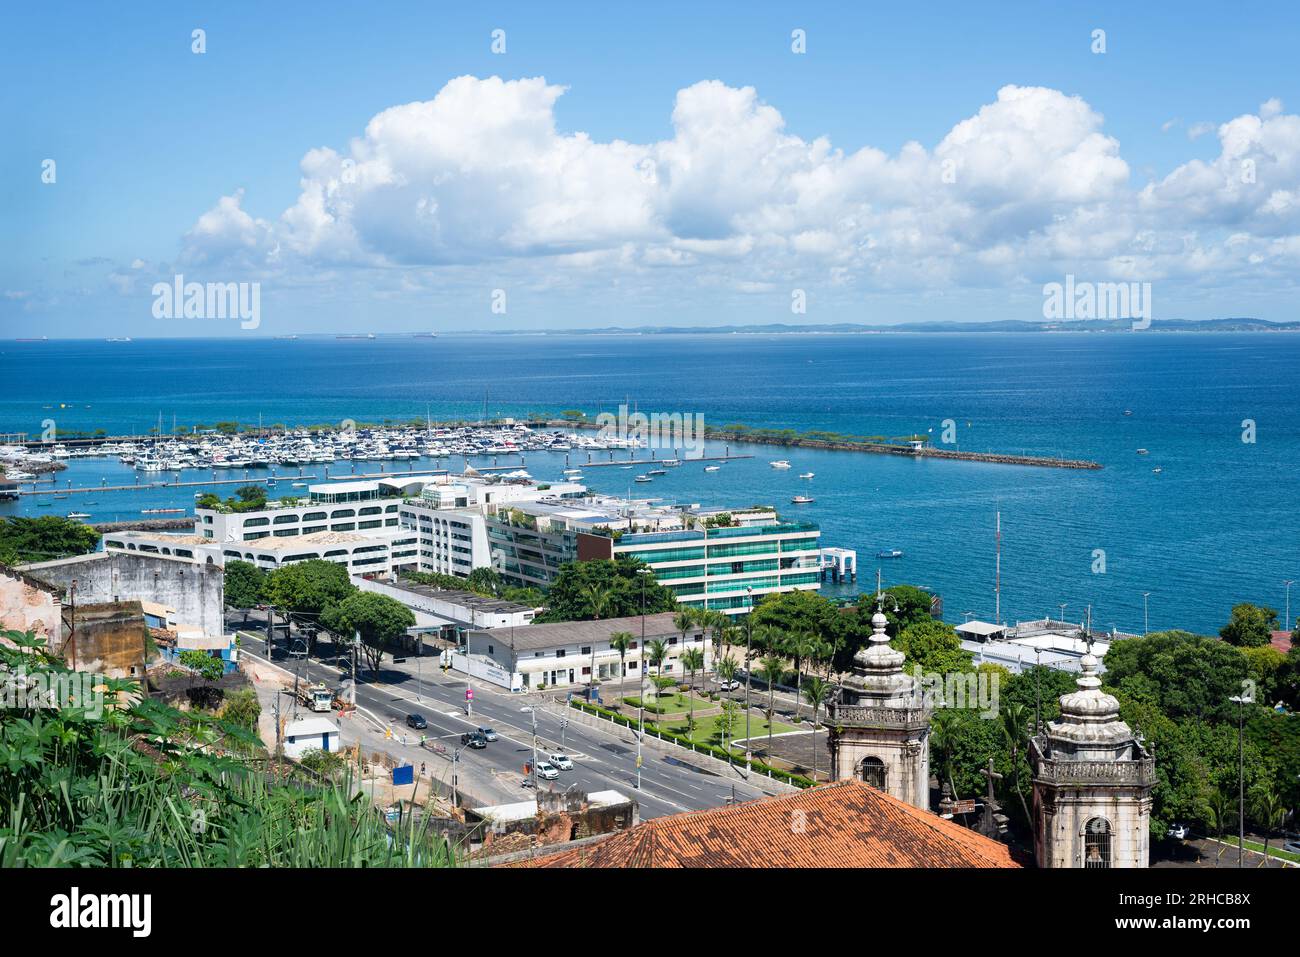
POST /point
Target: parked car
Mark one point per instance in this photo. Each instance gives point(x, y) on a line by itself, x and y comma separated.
point(1292, 846)
point(416, 721)
point(488, 733)
point(731, 685)
point(1178, 832)
point(474, 740)
point(547, 771)
point(562, 761)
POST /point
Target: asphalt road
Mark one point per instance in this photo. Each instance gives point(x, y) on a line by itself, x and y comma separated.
point(601, 761)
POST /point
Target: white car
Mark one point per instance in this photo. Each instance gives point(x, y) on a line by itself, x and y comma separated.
point(562, 761)
point(547, 771)
point(731, 685)
point(1177, 831)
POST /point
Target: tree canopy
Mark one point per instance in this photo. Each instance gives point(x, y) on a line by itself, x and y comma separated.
point(245, 584)
point(570, 597)
point(1250, 626)
point(308, 587)
point(43, 539)
point(378, 618)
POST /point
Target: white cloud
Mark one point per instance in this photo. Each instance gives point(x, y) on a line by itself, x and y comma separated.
point(1029, 186)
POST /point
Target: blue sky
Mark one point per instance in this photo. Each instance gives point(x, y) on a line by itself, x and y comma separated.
point(759, 171)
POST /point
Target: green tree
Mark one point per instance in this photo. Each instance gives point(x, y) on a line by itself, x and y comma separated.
point(1185, 675)
point(379, 619)
point(245, 584)
point(1219, 810)
point(934, 646)
point(621, 641)
point(570, 595)
point(655, 652)
point(1269, 813)
point(485, 581)
point(204, 666)
point(772, 668)
point(816, 690)
point(308, 587)
point(692, 661)
point(242, 708)
point(1250, 626)
point(24, 540)
point(1016, 719)
point(726, 724)
point(684, 620)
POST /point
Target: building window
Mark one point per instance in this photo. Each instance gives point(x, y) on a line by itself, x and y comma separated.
point(1096, 843)
point(586, 650)
point(873, 772)
point(560, 653)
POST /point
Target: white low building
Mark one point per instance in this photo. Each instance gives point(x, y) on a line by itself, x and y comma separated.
point(310, 734)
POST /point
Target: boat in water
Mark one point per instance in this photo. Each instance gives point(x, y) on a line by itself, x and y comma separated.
point(1142, 451)
point(657, 472)
point(78, 515)
point(890, 553)
point(1157, 469)
point(779, 464)
point(712, 468)
point(802, 500)
point(644, 478)
point(671, 463)
point(806, 475)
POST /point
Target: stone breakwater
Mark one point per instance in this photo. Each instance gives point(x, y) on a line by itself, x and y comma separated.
point(878, 448)
point(150, 524)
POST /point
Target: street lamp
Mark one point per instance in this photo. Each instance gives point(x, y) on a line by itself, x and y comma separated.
point(749, 634)
point(1146, 626)
point(642, 572)
point(1241, 700)
point(1287, 622)
point(1063, 606)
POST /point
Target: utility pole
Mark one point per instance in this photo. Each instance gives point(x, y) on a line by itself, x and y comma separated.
point(533, 715)
point(356, 644)
point(749, 635)
point(1287, 623)
point(1241, 700)
point(1146, 621)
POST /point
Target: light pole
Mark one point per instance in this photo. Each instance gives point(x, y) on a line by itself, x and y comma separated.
point(1287, 623)
point(1146, 622)
point(533, 715)
point(749, 634)
point(1241, 700)
point(1063, 605)
point(643, 572)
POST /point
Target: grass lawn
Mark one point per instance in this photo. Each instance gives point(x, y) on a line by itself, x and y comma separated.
point(672, 703)
point(706, 728)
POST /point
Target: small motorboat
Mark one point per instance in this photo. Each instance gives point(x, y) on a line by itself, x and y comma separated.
point(801, 500)
point(1142, 451)
point(78, 515)
point(806, 475)
point(1128, 411)
point(712, 468)
point(671, 463)
point(890, 553)
point(779, 464)
point(644, 478)
point(657, 472)
point(1157, 469)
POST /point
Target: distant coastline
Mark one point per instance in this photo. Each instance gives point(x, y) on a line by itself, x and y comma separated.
point(1075, 326)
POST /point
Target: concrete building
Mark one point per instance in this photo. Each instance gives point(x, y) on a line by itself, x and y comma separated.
point(28, 604)
point(459, 611)
point(710, 558)
point(879, 732)
point(372, 553)
point(308, 734)
point(563, 653)
point(1092, 783)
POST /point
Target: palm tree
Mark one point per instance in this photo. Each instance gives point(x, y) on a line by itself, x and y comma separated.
point(730, 636)
point(655, 652)
point(727, 670)
point(692, 661)
point(816, 691)
point(685, 618)
point(1270, 812)
point(598, 600)
point(1219, 807)
point(1015, 725)
point(771, 669)
point(943, 734)
point(621, 641)
point(801, 646)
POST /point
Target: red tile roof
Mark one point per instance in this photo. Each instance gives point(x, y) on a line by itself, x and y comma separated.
point(1281, 640)
point(843, 824)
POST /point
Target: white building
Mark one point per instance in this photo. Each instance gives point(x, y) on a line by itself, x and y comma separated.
point(310, 734)
point(563, 653)
point(372, 553)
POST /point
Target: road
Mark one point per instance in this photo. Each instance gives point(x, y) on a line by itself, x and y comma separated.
point(601, 760)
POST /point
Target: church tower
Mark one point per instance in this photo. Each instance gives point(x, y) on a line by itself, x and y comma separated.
point(880, 728)
point(1092, 783)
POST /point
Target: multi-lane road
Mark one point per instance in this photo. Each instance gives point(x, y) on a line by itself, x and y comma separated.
point(601, 760)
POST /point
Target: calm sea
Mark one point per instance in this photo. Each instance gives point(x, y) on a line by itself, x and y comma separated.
point(1218, 524)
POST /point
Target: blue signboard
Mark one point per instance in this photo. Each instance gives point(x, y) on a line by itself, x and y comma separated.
point(404, 775)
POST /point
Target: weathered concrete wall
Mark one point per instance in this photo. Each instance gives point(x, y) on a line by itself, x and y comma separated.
point(195, 591)
point(108, 639)
point(26, 606)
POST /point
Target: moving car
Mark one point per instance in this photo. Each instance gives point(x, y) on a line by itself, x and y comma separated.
point(547, 771)
point(488, 734)
point(731, 685)
point(562, 761)
point(416, 721)
point(474, 740)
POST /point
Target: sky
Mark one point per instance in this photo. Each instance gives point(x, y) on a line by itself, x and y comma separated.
point(399, 167)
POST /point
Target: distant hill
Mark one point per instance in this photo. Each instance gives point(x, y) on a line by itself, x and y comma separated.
point(1001, 325)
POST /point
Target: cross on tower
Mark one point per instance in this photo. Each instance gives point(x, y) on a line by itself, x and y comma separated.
point(992, 824)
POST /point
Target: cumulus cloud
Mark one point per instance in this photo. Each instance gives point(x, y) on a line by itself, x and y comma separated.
point(1028, 186)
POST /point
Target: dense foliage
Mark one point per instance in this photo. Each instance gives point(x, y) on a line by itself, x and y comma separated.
point(620, 584)
point(43, 539)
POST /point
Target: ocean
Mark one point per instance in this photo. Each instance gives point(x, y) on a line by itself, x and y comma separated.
point(1217, 525)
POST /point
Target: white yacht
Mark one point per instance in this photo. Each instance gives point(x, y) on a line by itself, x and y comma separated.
point(779, 464)
point(806, 475)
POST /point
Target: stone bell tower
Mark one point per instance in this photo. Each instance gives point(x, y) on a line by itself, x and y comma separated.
point(1092, 783)
point(880, 728)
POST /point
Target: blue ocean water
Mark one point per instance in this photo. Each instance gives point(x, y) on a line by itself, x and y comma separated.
point(1219, 524)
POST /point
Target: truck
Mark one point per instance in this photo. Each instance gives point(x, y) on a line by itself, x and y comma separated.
point(317, 697)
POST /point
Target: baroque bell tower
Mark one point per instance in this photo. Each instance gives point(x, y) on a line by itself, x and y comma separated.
point(880, 728)
point(1092, 783)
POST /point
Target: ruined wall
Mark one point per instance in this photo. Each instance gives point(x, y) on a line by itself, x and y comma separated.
point(26, 606)
point(108, 639)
